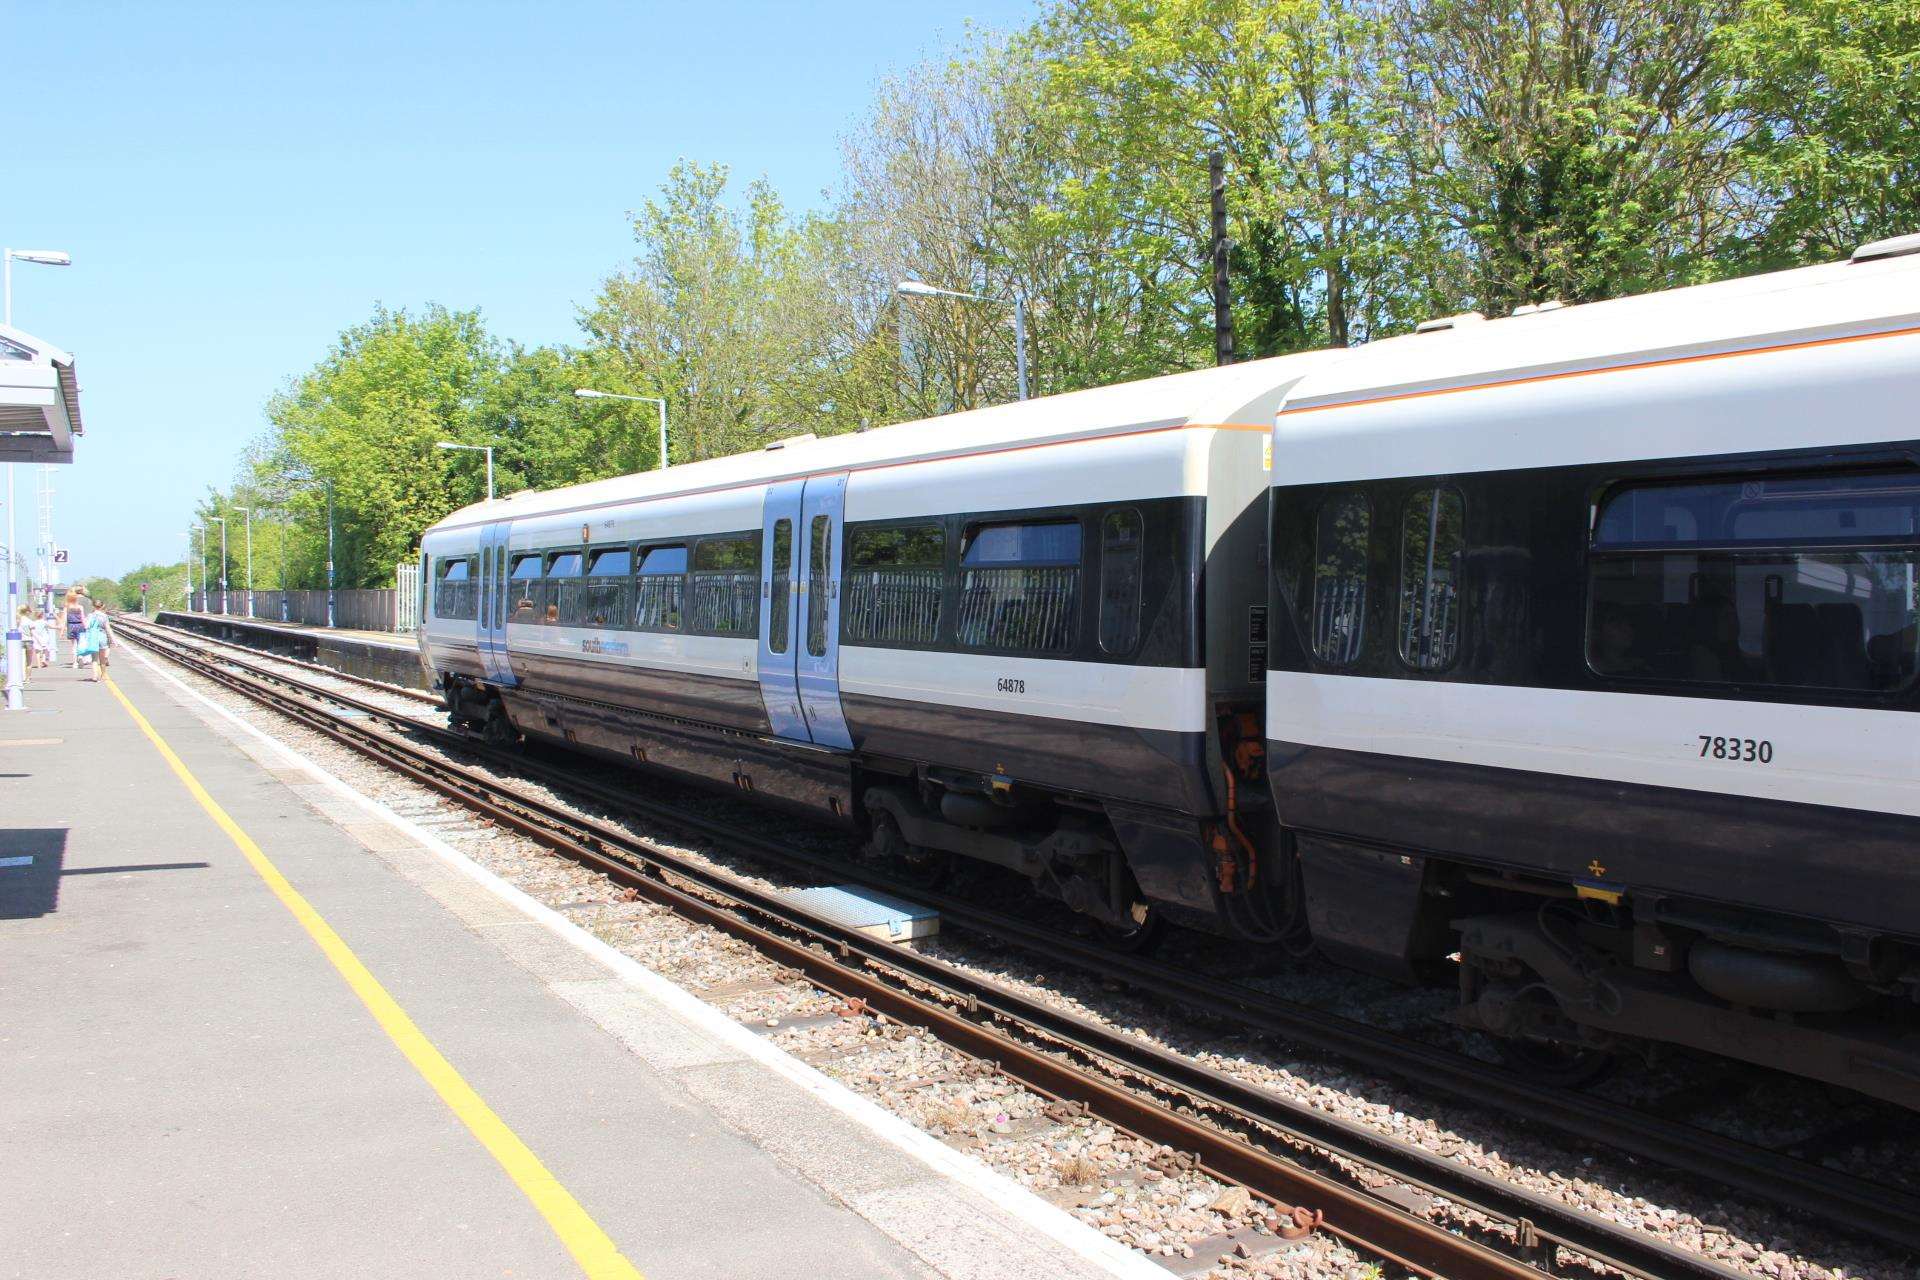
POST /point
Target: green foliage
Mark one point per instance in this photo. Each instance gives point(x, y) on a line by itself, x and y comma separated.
point(1575, 151)
point(1828, 92)
point(167, 585)
point(722, 313)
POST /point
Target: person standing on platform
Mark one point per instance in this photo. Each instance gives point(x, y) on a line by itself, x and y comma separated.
point(43, 639)
point(96, 640)
point(76, 621)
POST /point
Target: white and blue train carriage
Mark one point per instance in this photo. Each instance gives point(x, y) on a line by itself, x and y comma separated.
point(1031, 634)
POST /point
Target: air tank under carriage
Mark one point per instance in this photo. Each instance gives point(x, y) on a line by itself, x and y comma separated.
point(1597, 633)
point(1032, 635)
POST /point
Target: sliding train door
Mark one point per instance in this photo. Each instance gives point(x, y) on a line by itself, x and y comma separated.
point(824, 507)
point(779, 619)
point(491, 615)
point(800, 615)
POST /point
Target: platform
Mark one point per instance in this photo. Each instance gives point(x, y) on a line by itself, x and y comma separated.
point(380, 655)
point(197, 1082)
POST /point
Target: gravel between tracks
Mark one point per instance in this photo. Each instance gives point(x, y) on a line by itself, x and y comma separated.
point(1131, 1191)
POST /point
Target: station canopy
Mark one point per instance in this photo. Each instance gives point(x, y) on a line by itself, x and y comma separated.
point(39, 400)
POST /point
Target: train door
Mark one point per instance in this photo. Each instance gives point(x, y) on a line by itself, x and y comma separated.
point(822, 505)
point(779, 619)
point(491, 616)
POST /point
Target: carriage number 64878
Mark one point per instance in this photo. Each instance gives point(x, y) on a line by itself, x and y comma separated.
point(1744, 750)
point(1012, 684)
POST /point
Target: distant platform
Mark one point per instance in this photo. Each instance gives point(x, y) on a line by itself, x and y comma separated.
point(381, 655)
point(252, 1024)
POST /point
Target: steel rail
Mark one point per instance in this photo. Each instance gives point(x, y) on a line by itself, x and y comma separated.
point(1885, 1213)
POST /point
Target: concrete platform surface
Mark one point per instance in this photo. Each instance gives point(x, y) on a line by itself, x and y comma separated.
point(189, 1086)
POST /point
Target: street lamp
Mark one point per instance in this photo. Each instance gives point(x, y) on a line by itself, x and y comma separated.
point(223, 562)
point(248, 512)
point(190, 557)
point(475, 448)
point(916, 289)
point(586, 393)
point(45, 257)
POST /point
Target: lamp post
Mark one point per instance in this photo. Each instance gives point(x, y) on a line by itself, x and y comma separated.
point(222, 520)
point(915, 289)
point(189, 537)
point(248, 512)
point(587, 393)
point(475, 448)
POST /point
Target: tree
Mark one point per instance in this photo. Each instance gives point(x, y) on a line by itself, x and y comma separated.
point(1576, 149)
point(1828, 95)
point(367, 418)
point(721, 313)
point(1301, 99)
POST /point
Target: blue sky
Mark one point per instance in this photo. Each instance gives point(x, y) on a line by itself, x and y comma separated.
point(238, 183)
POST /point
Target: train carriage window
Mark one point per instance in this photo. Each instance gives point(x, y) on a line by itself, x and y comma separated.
point(1120, 565)
point(896, 578)
point(660, 590)
point(560, 589)
point(1342, 536)
point(525, 587)
point(603, 596)
point(819, 562)
point(726, 585)
point(1020, 586)
point(610, 562)
point(780, 588)
point(453, 589)
point(1432, 545)
point(1791, 581)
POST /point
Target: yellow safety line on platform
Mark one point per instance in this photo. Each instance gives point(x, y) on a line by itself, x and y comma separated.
point(589, 1245)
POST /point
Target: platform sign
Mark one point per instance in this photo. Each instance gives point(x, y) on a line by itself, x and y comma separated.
point(60, 555)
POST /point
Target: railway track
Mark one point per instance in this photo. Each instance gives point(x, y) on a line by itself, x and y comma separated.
point(1275, 1147)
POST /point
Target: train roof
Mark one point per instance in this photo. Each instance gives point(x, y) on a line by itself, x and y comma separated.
point(1800, 307)
point(1240, 395)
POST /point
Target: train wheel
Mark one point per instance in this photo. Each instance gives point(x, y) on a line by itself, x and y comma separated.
point(1138, 935)
point(498, 730)
point(1554, 1062)
point(921, 868)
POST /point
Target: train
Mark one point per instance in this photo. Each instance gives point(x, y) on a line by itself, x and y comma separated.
point(1566, 656)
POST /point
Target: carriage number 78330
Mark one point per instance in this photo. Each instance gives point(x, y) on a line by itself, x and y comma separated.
point(1743, 750)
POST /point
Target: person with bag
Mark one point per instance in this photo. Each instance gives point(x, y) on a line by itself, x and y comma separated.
point(76, 616)
point(96, 640)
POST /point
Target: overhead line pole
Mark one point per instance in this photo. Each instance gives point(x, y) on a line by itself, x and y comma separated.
point(1222, 293)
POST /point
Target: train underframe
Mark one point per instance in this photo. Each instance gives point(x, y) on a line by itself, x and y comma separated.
point(1569, 976)
point(1125, 867)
